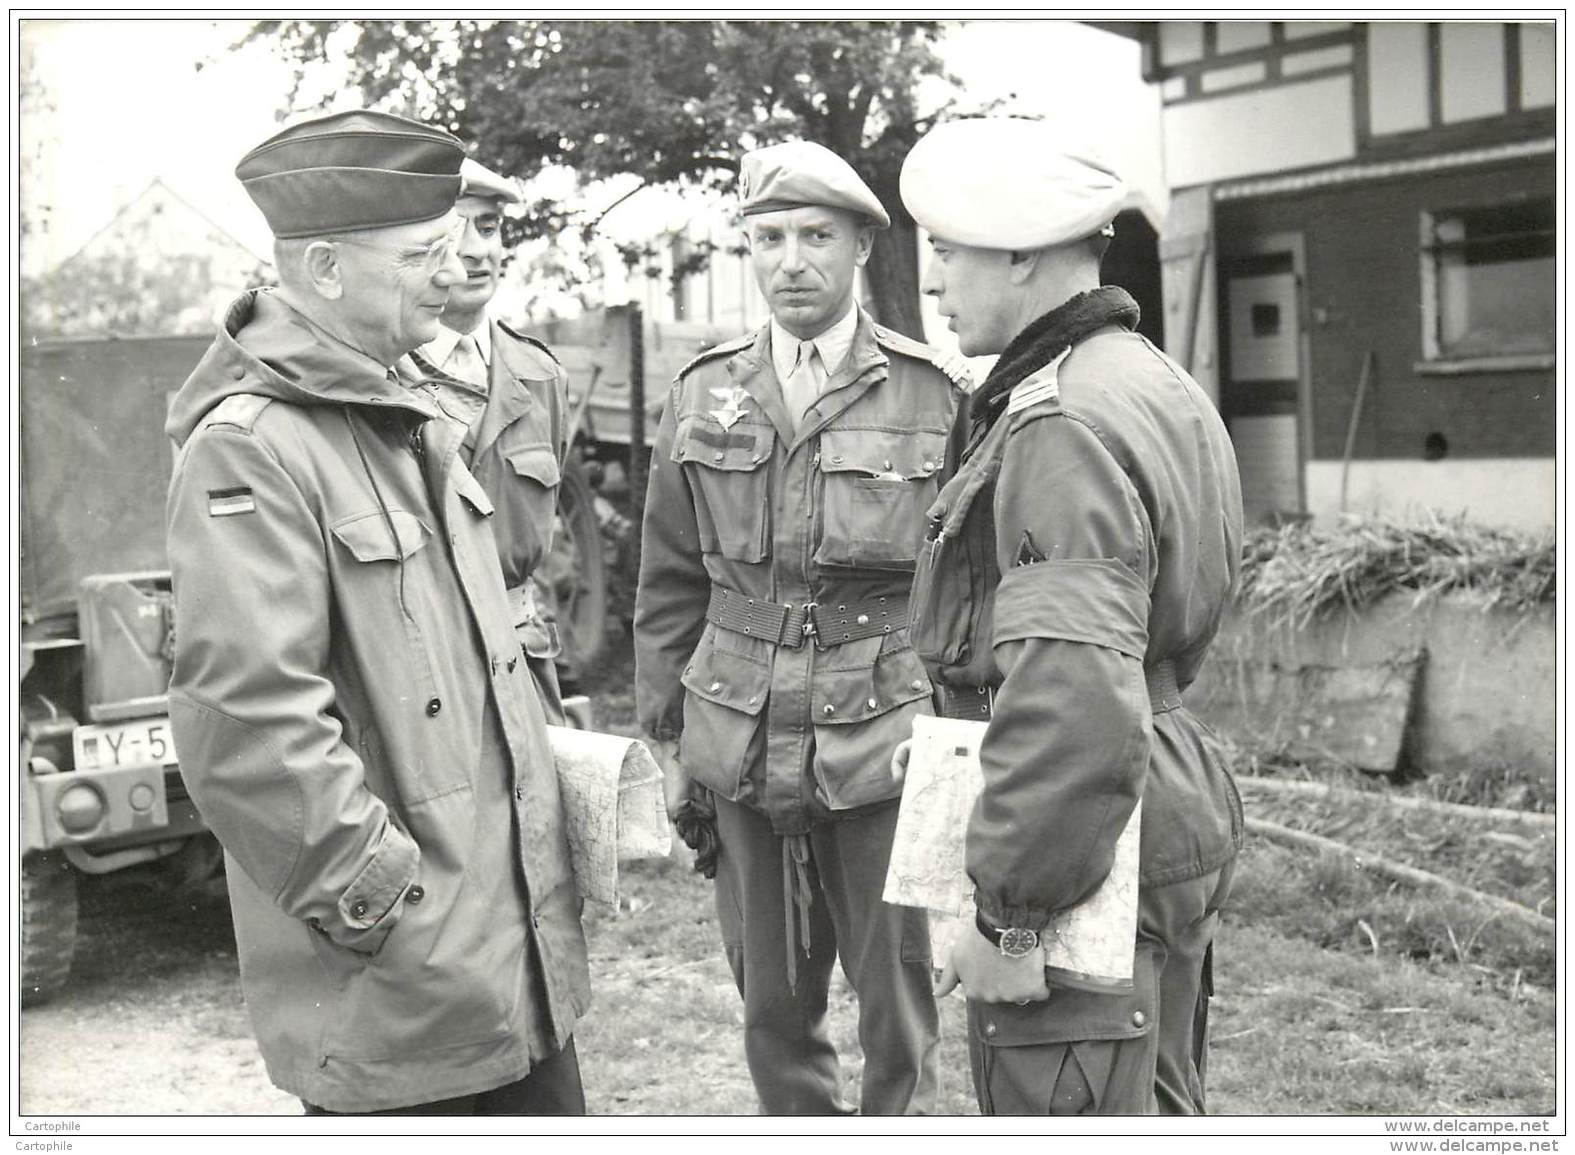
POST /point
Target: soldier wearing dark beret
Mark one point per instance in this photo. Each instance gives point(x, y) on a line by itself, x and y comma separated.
point(788, 484)
point(353, 717)
point(1079, 557)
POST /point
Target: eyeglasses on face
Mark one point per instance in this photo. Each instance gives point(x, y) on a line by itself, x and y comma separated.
point(430, 257)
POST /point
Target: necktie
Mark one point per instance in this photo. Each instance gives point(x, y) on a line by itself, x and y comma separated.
point(465, 362)
point(803, 385)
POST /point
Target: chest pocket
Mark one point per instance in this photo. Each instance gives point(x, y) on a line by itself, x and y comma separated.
point(368, 536)
point(729, 476)
point(876, 486)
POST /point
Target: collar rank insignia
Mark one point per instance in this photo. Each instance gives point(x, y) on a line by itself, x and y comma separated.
point(732, 409)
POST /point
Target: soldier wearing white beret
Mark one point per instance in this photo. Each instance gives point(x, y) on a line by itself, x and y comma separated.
point(508, 394)
point(1082, 550)
point(788, 487)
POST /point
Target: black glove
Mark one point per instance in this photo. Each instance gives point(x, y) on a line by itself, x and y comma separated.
point(695, 822)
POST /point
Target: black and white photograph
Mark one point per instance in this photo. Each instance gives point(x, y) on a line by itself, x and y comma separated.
point(713, 573)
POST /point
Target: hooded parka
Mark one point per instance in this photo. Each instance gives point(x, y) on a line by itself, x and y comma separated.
point(355, 724)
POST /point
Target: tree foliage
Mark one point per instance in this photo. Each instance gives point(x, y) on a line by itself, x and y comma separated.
point(673, 102)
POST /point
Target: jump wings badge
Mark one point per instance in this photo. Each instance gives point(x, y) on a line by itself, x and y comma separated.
point(732, 401)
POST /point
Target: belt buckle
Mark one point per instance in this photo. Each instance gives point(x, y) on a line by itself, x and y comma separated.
point(811, 632)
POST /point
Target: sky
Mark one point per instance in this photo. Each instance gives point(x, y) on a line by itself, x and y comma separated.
point(171, 98)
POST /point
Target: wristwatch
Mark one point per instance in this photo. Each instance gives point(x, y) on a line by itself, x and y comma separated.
point(1012, 941)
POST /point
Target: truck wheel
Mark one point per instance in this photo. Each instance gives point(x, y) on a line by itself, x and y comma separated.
point(49, 926)
point(576, 572)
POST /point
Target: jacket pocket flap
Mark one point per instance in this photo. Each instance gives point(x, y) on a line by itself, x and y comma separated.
point(1072, 1016)
point(471, 493)
point(703, 441)
point(729, 679)
point(857, 695)
point(536, 462)
point(895, 455)
point(367, 535)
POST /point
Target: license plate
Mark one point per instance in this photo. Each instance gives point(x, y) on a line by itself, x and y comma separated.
point(140, 742)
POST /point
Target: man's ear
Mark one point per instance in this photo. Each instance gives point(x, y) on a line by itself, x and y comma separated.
point(1022, 265)
point(865, 243)
point(324, 270)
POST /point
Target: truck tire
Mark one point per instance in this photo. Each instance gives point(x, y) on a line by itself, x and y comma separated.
point(577, 572)
point(49, 926)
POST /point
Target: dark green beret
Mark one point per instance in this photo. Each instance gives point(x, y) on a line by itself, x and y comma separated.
point(352, 171)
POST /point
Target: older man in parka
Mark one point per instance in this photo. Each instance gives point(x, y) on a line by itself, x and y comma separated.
point(353, 716)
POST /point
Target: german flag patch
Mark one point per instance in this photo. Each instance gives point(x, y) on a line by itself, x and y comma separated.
point(229, 502)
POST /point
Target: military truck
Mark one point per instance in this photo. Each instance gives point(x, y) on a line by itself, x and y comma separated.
point(100, 788)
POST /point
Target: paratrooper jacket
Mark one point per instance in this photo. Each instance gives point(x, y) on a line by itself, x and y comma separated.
point(748, 522)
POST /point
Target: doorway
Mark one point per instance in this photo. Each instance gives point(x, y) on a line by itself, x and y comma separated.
point(1262, 391)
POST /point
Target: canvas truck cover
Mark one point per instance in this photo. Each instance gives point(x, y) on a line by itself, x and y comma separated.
point(94, 461)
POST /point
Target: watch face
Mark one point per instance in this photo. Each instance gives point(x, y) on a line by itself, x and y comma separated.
point(1017, 941)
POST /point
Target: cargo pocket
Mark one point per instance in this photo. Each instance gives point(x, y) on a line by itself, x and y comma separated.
point(1078, 1052)
point(727, 474)
point(722, 731)
point(876, 486)
point(861, 712)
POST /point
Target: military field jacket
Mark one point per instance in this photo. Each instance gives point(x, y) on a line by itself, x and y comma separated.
point(355, 723)
point(1080, 588)
point(830, 514)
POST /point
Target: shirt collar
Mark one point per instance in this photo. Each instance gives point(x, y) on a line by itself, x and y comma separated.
point(438, 349)
point(832, 344)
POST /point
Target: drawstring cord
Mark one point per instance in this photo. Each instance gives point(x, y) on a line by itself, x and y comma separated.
point(796, 898)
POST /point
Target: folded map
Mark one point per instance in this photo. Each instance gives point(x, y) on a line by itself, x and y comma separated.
point(1089, 946)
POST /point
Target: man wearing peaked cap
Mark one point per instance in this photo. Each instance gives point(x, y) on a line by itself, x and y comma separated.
point(353, 719)
point(507, 394)
point(1101, 480)
point(788, 486)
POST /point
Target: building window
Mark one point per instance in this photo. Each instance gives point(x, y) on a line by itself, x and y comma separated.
point(1488, 282)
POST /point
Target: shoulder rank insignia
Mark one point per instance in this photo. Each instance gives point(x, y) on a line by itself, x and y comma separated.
point(724, 348)
point(732, 401)
point(529, 340)
point(1044, 385)
point(955, 366)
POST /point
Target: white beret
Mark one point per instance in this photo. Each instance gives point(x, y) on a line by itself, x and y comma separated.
point(480, 181)
point(1006, 183)
point(801, 172)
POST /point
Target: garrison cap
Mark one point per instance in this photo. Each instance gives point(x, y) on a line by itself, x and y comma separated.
point(800, 172)
point(1002, 182)
point(481, 181)
point(352, 171)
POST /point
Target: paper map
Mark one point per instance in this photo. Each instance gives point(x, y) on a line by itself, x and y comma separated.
point(611, 788)
point(1090, 945)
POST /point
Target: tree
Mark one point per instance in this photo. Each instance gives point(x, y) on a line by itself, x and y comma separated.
point(673, 102)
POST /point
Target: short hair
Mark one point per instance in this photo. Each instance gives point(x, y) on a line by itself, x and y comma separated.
point(288, 251)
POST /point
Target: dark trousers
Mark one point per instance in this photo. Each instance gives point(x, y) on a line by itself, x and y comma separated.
point(552, 1088)
point(1068, 1056)
point(885, 952)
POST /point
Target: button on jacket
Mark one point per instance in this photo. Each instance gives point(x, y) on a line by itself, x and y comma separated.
point(351, 729)
point(827, 509)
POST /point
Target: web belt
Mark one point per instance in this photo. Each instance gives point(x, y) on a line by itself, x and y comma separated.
point(827, 623)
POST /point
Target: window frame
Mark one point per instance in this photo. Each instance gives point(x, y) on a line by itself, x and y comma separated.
point(1435, 359)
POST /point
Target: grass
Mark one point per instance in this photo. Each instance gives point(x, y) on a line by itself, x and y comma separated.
point(1450, 1012)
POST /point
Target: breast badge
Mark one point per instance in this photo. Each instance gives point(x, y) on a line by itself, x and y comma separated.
point(732, 401)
